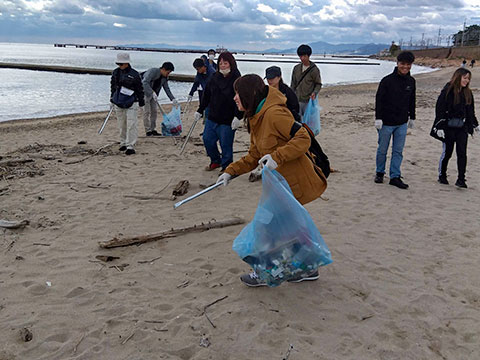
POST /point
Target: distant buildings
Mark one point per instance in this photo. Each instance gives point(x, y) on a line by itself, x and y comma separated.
point(471, 36)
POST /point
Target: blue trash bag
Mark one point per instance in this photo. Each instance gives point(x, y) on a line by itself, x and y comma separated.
point(172, 123)
point(282, 241)
point(311, 117)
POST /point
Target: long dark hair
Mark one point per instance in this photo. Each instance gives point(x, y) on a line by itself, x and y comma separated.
point(251, 89)
point(456, 86)
point(227, 56)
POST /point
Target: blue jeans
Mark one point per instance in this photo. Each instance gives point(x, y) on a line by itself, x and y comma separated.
point(399, 133)
point(212, 133)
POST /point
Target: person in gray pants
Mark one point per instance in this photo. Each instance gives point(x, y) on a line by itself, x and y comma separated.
point(153, 81)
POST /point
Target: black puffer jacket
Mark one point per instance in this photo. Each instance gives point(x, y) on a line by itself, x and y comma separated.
point(446, 109)
point(130, 79)
point(292, 100)
point(218, 97)
point(395, 99)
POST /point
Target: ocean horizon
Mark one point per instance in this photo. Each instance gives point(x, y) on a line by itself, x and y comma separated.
point(26, 94)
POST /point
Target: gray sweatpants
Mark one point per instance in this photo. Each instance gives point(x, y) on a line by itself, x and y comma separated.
point(150, 114)
point(127, 124)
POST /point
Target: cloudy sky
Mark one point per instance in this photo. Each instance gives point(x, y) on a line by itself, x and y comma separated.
point(246, 24)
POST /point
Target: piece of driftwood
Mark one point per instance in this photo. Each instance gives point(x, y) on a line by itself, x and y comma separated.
point(181, 188)
point(143, 197)
point(14, 162)
point(207, 306)
point(89, 156)
point(13, 224)
point(78, 343)
point(106, 258)
point(116, 242)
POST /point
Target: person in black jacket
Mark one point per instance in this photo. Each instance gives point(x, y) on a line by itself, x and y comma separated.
point(126, 93)
point(394, 105)
point(454, 120)
point(218, 97)
point(273, 74)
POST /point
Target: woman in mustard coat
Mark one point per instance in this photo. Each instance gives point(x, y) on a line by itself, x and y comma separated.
point(276, 141)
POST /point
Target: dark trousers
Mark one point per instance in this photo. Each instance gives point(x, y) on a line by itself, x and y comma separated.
point(458, 137)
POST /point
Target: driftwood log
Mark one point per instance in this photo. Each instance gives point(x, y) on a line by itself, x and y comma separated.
point(116, 242)
point(181, 188)
point(15, 162)
point(144, 197)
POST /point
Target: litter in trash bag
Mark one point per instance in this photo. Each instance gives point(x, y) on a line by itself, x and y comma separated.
point(282, 241)
point(311, 117)
point(172, 124)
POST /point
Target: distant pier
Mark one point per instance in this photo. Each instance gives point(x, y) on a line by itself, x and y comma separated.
point(81, 70)
point(129, 48)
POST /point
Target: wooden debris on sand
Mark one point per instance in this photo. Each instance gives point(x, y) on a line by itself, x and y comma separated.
point(141, 239)
point(181, 188)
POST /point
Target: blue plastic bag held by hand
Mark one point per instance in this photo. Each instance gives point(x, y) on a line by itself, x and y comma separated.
point(172, 124)
point(311, 117)
point(282, 241)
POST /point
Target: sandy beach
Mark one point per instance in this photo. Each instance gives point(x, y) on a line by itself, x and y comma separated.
point(402, 284)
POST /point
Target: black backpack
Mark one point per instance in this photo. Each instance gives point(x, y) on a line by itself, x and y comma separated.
point(315, 152)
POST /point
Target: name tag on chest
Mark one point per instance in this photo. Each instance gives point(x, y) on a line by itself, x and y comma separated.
point(126, 91)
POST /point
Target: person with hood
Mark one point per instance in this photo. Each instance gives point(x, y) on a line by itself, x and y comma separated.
point(126, 95)
point(204, 73)
point(218, 97)
point(394, 113)
point(454, 120)
point(273, 74)
point(154, 80)
point(306, 79)
point(278, 142)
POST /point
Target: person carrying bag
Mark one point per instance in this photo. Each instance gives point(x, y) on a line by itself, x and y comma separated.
point(270, 123)
point(126, 94)
point(454, 120)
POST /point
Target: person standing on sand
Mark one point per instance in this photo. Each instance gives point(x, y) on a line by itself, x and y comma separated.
point(126, 93)
point(454, 120)
point(204, 73)
point(278, 142)
point(306, 80)
point(394, 113)
point(223, 113)
point(154, 80)
point(273, 74)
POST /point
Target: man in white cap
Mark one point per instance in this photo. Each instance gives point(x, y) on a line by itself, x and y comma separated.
point(126, 93)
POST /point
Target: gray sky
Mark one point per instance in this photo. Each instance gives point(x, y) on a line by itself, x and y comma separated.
point(245, 24)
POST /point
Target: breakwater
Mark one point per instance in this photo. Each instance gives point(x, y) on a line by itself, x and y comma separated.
point(81, 70)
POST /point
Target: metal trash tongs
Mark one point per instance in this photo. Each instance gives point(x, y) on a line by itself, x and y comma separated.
point(204, 191)
point(197, 194)
point(105, 122)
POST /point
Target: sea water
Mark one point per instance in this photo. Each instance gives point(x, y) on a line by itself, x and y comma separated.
point(36, 94)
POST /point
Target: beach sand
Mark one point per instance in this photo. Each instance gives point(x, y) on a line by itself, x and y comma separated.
point(403, 284)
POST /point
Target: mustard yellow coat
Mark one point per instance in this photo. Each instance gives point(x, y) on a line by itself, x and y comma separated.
point(270, 134)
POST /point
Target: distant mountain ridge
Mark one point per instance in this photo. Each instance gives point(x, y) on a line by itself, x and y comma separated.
point(318, 47)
